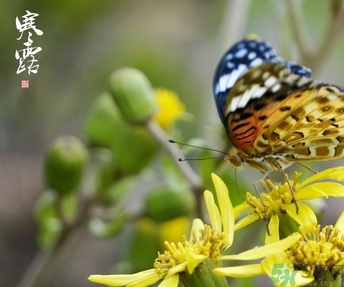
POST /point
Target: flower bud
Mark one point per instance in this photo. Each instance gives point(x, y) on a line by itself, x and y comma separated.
point(64, 164)
point(105, 126)
point(134, 94)
point(102, 121)
point(164, 204)
point(109, 229)
point(133, 149)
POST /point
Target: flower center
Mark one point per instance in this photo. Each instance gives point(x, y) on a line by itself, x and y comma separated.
point(274, 201)
point(317, 250)
point(207, 242)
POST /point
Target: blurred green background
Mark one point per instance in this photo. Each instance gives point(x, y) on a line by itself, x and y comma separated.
point(177, 44)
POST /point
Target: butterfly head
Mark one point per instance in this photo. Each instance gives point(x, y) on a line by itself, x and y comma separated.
point(235, 159)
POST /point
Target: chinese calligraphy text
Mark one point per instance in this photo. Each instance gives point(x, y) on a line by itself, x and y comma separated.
point(26, 56)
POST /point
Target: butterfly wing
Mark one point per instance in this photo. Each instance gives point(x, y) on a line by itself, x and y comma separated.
point(239, 59)
point(314, 130)
point(273, 112)
point(257, 103)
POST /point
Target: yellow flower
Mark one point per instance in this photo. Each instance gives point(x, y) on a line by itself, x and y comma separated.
point(275, 262)
point(205, 242)
point(170, 108)
point(204, 248)
point(318, 256)
point(279, 201)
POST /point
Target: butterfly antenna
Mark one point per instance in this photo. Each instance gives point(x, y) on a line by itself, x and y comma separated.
point(200, 147)
point(203, 158)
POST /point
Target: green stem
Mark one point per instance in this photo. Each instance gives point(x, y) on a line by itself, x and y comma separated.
point(331, 278)
point(204, 277)
point(189, 174)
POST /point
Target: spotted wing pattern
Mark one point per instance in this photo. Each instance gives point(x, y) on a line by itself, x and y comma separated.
point(275, 113)
point(243, 56)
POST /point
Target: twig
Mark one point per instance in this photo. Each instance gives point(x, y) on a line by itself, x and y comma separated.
point(331, 36)
point(41, 264)
point(189, 174)
point(299, 28)
point(315, 57)
point(234, 22)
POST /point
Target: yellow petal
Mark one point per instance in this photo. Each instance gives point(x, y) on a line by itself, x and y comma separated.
point(265, 250)
point(197, 225)
point(238, 209)
point(340, 222)
point(273, 228)
point(305, 216)
point(176, 269)
point(240, 271)
point(336, 173)
point(194, 260)
point(226, 208)
point(282, 273)
point(320, 189)
point(213, 211)
point(246, 221)
point(170, 282)
point(147, 278)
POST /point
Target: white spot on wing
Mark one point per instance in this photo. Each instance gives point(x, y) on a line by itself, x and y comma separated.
point(229, 56)
point(259, 92)
point(255, 92)
point(230, 65)
point(265, 75)
point(222, 83)
point(256, 62)
point(228, 80)
point(276, 87)
point(241, 53)
point(245, 97)
point(234, 104)
point(270, 81)
point(252, 55)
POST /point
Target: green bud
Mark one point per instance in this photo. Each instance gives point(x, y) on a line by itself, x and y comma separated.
point(134, 94)
point(64, 164)
point(102, 121)
point(133, 149)
point(105, 126)
point(164, 204)
point(49, 223)
point(105, 230)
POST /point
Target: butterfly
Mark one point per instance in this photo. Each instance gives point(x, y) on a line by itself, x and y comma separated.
point(274, 112)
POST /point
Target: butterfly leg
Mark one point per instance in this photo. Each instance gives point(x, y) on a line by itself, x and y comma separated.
point(292, 190)
point(308, 167)
point(265, 175)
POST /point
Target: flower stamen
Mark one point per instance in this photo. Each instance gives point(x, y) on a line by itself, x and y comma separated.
point(209, 243)
point(318, 250)
point(275, 200)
